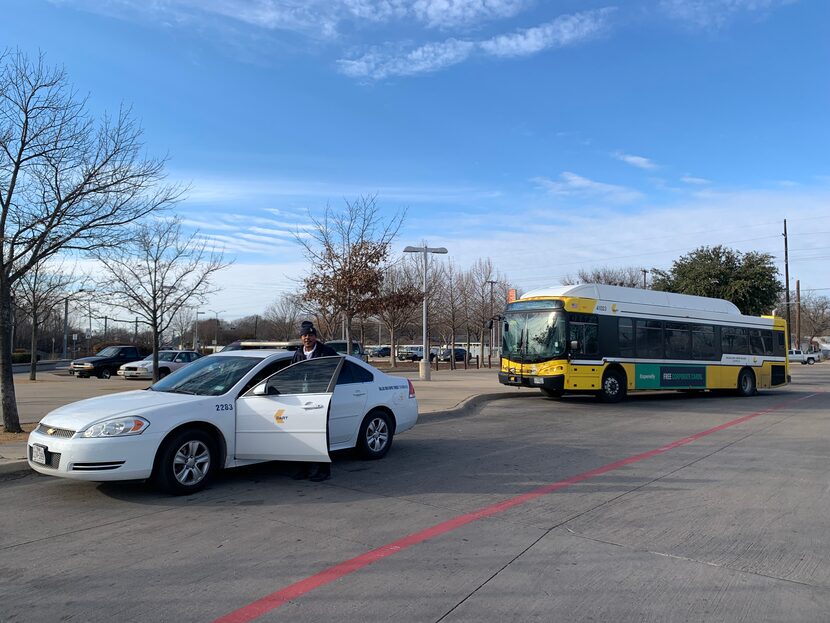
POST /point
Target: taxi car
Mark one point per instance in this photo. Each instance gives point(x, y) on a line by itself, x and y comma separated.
point(169, 360)
point(226, 410)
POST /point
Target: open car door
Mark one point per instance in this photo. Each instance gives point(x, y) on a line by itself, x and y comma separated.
point(285, 417)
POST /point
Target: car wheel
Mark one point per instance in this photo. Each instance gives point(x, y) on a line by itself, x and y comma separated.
point(746, 383)
point(375, 436)
point(163, 372)
point(811, 361)
point(185, 463)
point(104, 374)
point(552, 393)
point(613, 386)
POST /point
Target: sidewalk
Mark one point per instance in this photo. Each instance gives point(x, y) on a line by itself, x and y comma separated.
point(449, 392)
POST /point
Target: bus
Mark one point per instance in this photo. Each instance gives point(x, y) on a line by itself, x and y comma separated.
point(610, 340)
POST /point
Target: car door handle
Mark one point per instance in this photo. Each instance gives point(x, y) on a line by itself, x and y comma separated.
point(359, 394)
point(309, 406)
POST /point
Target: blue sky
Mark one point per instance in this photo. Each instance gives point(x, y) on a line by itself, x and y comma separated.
point(548, 136)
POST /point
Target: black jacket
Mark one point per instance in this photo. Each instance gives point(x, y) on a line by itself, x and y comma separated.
point(320, 350)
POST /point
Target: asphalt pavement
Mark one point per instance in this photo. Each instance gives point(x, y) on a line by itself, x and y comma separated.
point(448, 391)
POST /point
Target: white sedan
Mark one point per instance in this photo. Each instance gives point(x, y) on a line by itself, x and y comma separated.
point(226, 410)
point(169, 361)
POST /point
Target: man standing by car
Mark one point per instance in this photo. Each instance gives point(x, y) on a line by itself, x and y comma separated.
point(311, 347)
point(316, 472)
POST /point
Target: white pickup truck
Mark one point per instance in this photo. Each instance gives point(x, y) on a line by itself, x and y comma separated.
point(803, 357)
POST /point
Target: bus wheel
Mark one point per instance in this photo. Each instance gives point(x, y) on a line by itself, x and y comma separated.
point(746, 383)
point(613, 386)
point(552, 393)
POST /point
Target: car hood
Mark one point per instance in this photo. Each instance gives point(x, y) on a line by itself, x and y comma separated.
point(78, 415)
point(92, 359)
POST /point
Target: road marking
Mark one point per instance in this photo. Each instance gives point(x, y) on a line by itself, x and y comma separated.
point(327, 576)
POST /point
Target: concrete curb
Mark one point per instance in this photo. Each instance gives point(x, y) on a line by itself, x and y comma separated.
point(474, 402)
point(15, 468)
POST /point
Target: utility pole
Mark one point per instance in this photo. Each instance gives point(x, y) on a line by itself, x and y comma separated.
point(797, 313)
point(645, 272)
point(492, 326)
point(787, 282)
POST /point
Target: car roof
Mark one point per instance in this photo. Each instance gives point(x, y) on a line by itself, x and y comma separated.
point(259, 353)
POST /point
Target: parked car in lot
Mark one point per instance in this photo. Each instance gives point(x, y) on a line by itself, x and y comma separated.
point(226, 410)
point(415, 353)
point(381, 351)
point(339, 347)
point(169, 360)
point(803, 357)
point(106, 362)
point(446, 354)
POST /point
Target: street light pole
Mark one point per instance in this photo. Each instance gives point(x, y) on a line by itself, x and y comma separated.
point(216, 335)
point(423, 365)
point(196, 330)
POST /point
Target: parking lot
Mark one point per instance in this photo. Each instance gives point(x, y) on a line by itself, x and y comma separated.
point(666, 507)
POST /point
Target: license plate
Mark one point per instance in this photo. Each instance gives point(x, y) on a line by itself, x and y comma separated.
point(39, 454)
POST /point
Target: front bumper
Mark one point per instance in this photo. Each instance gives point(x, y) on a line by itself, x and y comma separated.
point(126, 458)
point(552, 383)
point(136, 374)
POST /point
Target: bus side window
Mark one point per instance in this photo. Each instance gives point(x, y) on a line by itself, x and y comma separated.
point(626, 337)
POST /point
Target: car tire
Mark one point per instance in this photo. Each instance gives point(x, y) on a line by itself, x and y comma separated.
point(163, 372)
point(614, 386)
point(746, 383)
point(185, 463)
point(375, 436)
point(811, 361)
point(552, 393)
point(105, 374)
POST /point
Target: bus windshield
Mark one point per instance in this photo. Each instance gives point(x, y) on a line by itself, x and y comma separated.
point(534, 337)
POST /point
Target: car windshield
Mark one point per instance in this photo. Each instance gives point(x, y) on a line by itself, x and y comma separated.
point(166, 356)
point(109, 351)
point(535, 336)
point(208, 376)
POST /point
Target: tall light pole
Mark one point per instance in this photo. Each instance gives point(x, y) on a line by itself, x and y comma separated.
point(423, 365)
point(216, 336)
point(196, 330)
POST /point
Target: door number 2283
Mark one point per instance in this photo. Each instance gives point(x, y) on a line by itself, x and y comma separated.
point(224, 407)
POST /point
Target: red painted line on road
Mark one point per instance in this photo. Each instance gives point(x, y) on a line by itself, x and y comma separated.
point(298, 589)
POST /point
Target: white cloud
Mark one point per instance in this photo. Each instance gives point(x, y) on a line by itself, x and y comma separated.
point(698, 181)
point(636, 161)
point(379, 64)
point(447, 13)
point(573, 185)
point(424, 59)
point(563, 31)
point(714, 13)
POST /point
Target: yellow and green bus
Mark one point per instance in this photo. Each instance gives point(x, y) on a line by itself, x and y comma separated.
point(610, 340)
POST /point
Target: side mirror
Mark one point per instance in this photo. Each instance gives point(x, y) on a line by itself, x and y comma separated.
point(259, 390)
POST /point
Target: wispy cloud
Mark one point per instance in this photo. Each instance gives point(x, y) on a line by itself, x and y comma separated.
point(449, 13)
point(382, 63)
point(431, 57)
point(715, 13)
point(563, 31)
point(635, 161)
point(697, 181)
point(573, 185)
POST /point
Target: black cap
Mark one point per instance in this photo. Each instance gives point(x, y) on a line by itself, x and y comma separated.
point(307, 328)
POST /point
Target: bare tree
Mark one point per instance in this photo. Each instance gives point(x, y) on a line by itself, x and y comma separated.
point(346, 251)
point(397, 304)
point(182, 323)
point(157, 273)
point(815, 317)
point(282, 317)
point(67, 183)
point(449, 306)
point(37, 293)
point(630, 276)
